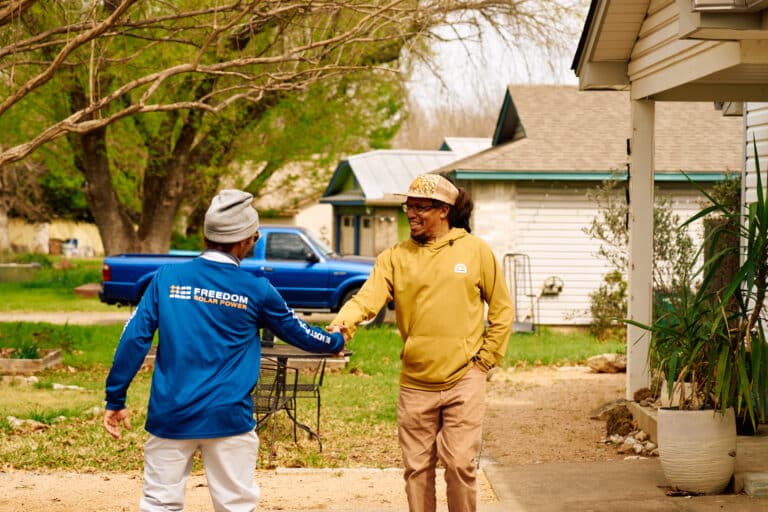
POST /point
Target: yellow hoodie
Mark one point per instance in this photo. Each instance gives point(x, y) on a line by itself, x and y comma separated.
point(440, 290)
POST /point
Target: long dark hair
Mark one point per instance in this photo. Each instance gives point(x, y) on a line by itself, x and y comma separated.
point(461, 211)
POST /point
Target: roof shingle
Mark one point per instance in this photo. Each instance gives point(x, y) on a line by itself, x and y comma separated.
point(568, 130)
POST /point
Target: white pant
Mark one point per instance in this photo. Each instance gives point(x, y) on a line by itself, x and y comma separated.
point(230, 467)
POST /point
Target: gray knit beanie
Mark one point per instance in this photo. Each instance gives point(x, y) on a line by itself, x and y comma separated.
point(230, 218)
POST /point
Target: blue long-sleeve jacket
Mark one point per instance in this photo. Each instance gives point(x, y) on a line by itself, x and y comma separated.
point(207, 313)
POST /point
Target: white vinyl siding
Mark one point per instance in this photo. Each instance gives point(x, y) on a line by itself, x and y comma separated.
point(546, 221)
point(756, 119)
point(660, 56)
point(658, 43)
point(550, 229)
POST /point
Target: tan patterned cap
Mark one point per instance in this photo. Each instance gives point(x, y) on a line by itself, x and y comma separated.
point(433, 186)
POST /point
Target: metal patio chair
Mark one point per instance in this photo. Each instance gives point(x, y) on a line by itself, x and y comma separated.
point(308, 385)
point(273, 392)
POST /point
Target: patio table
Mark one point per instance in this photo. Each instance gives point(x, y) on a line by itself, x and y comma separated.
point(279, 394)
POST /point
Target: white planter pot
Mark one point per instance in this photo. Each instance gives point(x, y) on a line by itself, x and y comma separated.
point(697, 449)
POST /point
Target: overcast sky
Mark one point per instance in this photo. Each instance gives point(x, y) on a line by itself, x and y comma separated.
point(472, 71)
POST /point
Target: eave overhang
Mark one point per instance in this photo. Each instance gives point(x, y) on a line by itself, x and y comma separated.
point(667, 177)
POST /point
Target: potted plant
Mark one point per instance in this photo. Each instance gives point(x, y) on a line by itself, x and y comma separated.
point(708, 345)
point(696, 434)
point(740, 376)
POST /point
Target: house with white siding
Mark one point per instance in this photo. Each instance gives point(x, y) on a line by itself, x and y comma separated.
point(531, 195)
point(659, 51)
point(551, 146)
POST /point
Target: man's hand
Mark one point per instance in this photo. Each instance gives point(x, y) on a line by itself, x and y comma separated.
point(113, 421)
point(344, 332)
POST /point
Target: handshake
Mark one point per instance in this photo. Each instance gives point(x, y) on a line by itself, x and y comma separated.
point(344, 332)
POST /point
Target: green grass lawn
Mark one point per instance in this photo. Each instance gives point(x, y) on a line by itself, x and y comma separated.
point(358, 402)
point(30, 299)
point(548, 347)
point(51, 288)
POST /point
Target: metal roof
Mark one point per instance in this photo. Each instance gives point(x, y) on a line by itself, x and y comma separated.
point(465, 146)
point(384, 171)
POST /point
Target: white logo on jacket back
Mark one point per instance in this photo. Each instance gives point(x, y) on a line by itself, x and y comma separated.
point(180, 292)
point(209, 297)
point(460, 268)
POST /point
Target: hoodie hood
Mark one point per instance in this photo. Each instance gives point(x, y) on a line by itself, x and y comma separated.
point(445, 240)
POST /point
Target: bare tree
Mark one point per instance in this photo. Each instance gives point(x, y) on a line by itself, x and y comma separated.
point(20, 193)
point(427, 129)
point(190, 78)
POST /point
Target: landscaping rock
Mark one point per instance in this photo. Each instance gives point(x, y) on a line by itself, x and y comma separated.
point(619, 421)
point(88, 290)
point(601, 413)
point(608, 363)
point(643, 394)
point(25, 425)
point(633, 443)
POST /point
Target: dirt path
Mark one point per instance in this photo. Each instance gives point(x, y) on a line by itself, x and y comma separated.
point(282, 489)
point(536, 415)
point(542, 415)
point(118, 316)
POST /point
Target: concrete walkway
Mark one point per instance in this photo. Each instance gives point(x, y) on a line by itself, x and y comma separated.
point(631, 485)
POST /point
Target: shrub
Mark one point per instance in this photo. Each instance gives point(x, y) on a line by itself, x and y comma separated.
point(41, 259)
point(608, 306)
point(672, 249)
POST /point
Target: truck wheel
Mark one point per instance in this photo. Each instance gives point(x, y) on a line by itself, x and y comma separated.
point(377, 320)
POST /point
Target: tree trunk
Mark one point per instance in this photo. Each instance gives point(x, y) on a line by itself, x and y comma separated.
point(162, 198)
point(115, 226)
point(40, 238)
point(161, 201)
point(5, 236)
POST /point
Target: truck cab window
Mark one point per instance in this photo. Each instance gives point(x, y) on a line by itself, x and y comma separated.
point(286, 246)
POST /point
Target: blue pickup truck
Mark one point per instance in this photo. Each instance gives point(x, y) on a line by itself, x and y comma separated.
point(310, 277)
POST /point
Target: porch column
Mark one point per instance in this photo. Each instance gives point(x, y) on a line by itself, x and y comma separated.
point(640, 243)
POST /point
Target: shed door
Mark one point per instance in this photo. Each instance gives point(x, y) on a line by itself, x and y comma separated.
point(347, 235)
point(367, 237)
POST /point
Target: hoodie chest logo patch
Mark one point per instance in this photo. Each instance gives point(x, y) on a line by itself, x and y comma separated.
point(460, 268)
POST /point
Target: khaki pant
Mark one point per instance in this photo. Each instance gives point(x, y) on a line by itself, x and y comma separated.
point(445, 425)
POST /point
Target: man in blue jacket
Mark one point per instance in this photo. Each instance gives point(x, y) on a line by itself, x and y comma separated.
point(207, 312)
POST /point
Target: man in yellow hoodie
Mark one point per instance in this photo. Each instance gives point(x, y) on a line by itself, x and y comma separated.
point(441, 280)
